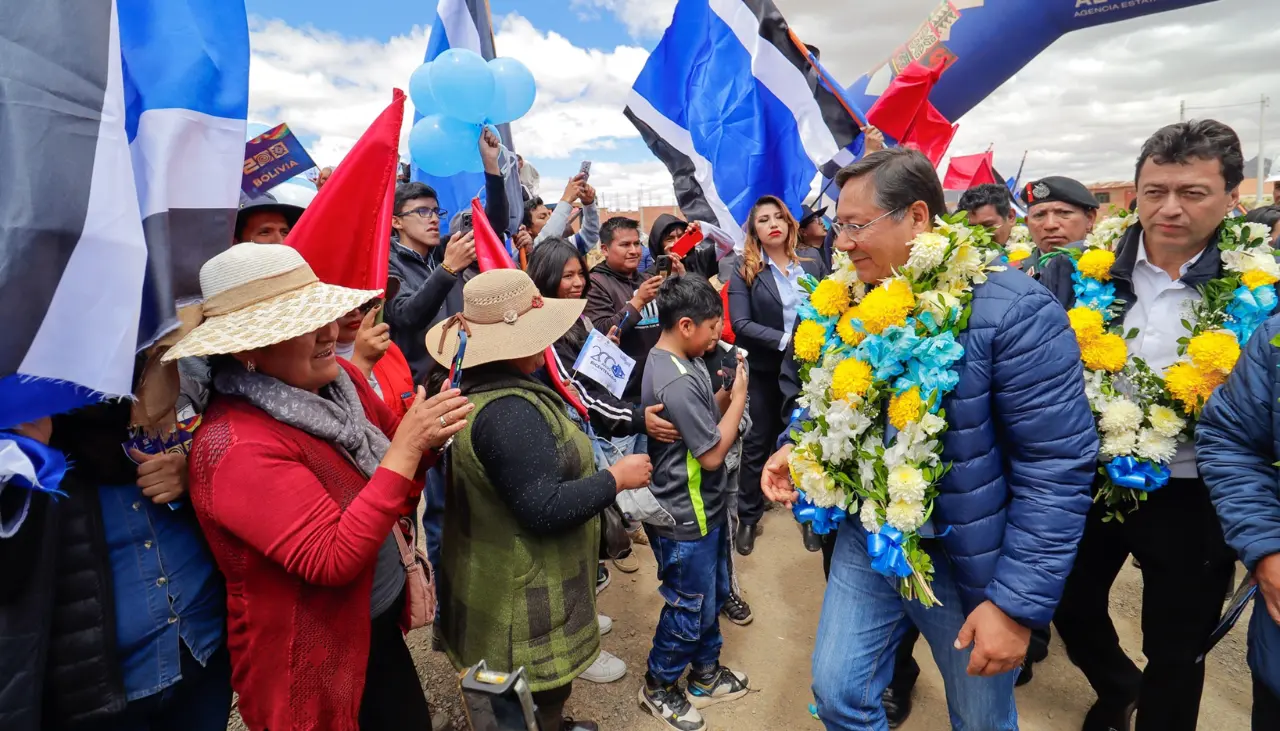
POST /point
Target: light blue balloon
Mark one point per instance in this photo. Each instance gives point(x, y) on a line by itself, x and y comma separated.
point(424, 101)
point(514, 91)
point(444, 146)
point(462, 85)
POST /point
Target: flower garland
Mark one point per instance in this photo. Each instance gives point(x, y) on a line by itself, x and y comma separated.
point(894, 348)
point(1020, 245)
point(1142, 415)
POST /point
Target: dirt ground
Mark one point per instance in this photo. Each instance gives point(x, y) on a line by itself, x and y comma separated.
point(784, 585)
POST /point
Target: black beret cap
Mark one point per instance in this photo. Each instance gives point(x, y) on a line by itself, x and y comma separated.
point(1058, 188)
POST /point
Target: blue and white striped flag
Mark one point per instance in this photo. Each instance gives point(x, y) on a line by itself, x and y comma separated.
point(724, 101)
point(459, 24)
point(121, 144)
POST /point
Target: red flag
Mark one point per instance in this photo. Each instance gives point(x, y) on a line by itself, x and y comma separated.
point(966, 171)
point(904, 112)
point(491, 254)
point(345, 234)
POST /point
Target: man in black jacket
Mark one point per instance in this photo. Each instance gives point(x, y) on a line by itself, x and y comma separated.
point(1188, 177)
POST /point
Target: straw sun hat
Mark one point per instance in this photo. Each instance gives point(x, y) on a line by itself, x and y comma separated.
point(257, 295)
point(505, 318)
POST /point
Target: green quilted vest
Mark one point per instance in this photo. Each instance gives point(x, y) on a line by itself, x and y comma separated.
point(509, 597)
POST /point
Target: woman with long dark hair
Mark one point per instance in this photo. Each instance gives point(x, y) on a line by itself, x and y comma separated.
point(764, 295)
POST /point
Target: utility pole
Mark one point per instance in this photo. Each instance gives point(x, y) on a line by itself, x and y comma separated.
point(1262, 149)
point(1182, 110)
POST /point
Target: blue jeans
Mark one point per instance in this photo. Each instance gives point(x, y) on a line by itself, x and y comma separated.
point(695, 584)
point(863, 620)
point(634, 444)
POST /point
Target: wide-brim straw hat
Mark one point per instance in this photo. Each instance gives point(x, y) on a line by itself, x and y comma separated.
point(505, 318)
point(257, 295)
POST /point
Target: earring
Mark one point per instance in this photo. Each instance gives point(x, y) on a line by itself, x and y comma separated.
point(251, 367)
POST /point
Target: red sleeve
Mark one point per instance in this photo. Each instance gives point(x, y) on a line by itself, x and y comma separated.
point(381, 416)
point(265, 496)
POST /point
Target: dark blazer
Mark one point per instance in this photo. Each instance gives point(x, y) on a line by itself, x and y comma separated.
point(756, 314)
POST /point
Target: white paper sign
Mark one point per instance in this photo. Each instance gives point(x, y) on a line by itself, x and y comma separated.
point(605, 363)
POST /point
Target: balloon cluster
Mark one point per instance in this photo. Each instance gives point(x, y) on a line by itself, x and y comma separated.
point(457, 94)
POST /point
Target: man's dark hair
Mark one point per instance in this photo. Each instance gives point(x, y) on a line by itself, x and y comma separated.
point(547, 261)
point(610, 228)
point(530, 206)
point(1200, 139)
point(1266, 215)
point(413, 191)
point(687, 295)
point(902, 176)
point(989, 194)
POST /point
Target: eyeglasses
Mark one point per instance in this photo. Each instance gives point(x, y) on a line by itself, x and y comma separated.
point(423, 212)
point(852, 230)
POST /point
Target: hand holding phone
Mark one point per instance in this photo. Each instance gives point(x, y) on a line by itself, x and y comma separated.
point(584, 171)
point(664, 265)
point(455, 370)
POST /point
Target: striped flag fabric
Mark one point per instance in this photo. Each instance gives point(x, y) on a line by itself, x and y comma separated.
point(122, 128)
point(725, 102)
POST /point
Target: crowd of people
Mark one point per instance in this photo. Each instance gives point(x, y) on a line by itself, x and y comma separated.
point(318, 429)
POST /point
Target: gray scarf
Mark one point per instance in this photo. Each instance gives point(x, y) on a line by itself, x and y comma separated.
point(334, 415)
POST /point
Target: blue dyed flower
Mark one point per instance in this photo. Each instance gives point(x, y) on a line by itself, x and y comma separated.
point(933, 382)
point(885, 353)
point(1248, 309)
point(1094, 294)
point(939, 351)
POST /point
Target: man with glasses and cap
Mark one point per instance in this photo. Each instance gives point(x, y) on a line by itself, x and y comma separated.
point(264, 220)
point(1060, 213)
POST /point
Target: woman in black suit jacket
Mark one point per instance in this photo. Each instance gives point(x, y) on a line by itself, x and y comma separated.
point(763, 314)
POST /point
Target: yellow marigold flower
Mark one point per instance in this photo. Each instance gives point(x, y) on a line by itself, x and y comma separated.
point(1087, 323)
point(1255, 278)
point(1190, 385)
point(884, 307)
point(1216, 350)
point(1096, 264)
point(905, 408)
point(1017, 255)
point(830, 298)
point(851, 379)
point(809, 339)
point(1107, 352)
point(845, 329)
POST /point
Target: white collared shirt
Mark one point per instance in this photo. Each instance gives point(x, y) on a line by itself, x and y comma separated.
point(788, 281)
point(1160, 306)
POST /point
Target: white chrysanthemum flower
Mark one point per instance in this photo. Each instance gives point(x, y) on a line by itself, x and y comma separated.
point(1236, 260)
point(868, 516)
point(1165, 421)
point(932, 424)
point(927, 252)
point(905, 516)
point(1263, 261)
point(1119, 444)
point(1120, 415)
point(906, 484)
point(1156, 447)
point(1254, 231)
point(965, 263)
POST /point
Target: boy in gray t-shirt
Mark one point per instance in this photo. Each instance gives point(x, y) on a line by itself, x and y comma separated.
point(689, 482)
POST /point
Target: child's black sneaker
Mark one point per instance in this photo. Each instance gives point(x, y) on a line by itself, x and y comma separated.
point(737, 610)
point(669, 704)
point(708, 686)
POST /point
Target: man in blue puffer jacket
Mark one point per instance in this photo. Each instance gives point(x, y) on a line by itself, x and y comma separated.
point(1237, 446)
point(1011, 511)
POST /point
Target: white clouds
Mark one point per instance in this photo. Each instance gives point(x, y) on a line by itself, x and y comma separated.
point(643, 18)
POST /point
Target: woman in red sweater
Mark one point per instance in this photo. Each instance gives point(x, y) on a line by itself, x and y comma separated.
point(299, 474)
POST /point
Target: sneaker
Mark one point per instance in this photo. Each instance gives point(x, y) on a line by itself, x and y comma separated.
point(627, 564)
point(606, 624)
point(671, 706)
point(572, 725)
point(606, 669)
point(717, 686)
point(603, 577)
point(737, 611)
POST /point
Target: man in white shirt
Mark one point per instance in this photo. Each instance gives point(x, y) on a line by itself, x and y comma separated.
point(1188, 178)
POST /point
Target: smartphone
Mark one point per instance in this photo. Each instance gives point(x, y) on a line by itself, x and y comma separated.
point(664, 265)
point(455, 370)
point(584, 172)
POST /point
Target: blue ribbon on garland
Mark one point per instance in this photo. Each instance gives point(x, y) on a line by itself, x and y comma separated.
point(823, 520)
point(1137, 474)
point(887, 556)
